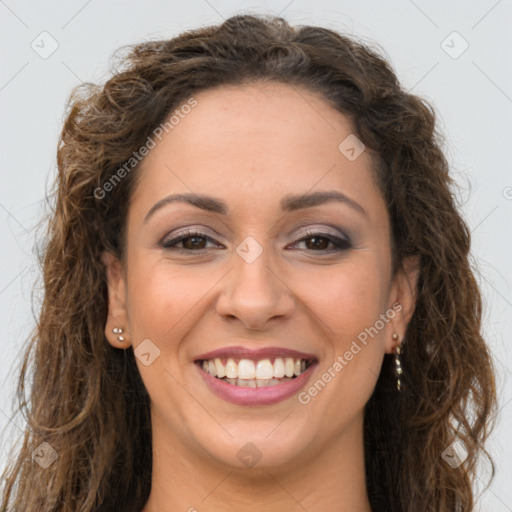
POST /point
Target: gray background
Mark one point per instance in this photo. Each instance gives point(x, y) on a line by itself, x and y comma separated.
point(472, 93)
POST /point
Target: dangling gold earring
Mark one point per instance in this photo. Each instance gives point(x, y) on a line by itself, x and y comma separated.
point(398, 365)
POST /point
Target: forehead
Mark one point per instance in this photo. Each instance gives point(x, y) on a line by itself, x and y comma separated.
point(261, 140)
point(264, 115)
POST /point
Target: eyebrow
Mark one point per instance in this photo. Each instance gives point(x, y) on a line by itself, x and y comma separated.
point(288, 203)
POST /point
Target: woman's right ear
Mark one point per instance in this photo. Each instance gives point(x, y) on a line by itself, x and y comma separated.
point(117, 329)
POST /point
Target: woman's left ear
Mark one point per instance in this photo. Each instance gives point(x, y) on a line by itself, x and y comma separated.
point(403, 299)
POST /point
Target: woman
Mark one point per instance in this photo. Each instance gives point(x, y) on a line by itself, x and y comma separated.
point(257, 290)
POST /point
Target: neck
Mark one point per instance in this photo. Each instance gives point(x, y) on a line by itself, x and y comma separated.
point(333, 479)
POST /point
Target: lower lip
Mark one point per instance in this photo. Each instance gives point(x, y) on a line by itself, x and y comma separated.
point(267, 395)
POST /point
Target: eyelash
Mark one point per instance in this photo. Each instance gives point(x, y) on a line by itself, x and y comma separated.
point(342, 244)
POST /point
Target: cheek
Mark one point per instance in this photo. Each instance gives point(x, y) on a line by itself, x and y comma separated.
point(161, 298)
point(164, 306)
point(350, 298)
point(349, 302)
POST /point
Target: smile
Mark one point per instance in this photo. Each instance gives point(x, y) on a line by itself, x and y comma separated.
point(259, 373)
point(255, 377)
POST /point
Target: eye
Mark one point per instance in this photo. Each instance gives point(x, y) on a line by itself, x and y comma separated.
point(324, 242)
point(191, 240)
point(196, 241)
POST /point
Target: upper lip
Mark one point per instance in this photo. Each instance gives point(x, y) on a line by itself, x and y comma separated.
point(239, 352)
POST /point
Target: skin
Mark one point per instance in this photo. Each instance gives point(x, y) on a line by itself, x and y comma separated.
point(250, 146)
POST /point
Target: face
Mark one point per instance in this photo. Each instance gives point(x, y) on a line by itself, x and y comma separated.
point(279, 263)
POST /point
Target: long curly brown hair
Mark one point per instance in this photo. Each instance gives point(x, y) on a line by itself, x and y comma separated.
point(87, 400)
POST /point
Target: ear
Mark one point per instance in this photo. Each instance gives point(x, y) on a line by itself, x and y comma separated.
point(117, 314)
point(403, 296)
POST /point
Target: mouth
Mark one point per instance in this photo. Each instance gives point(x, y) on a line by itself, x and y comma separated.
point(255, 377)
point(255, 373)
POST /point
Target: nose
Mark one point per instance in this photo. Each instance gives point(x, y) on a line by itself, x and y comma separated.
point(254, 294)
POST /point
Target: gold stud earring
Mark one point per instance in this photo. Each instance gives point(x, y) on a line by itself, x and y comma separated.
point(118, 331)
point(398, 365)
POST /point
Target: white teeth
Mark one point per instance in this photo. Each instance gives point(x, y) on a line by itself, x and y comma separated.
point(221, 371)
point(264, 369)
point(246, 383)
point(256, 383)
point(246, 369)
point(289, 367)
point(279, 367)
point(249, 373)
point(231, 369)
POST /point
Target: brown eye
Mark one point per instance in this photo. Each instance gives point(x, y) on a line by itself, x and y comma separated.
point(194, 242)
point(190, 241)
point(318, 242)
point(324, 243)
